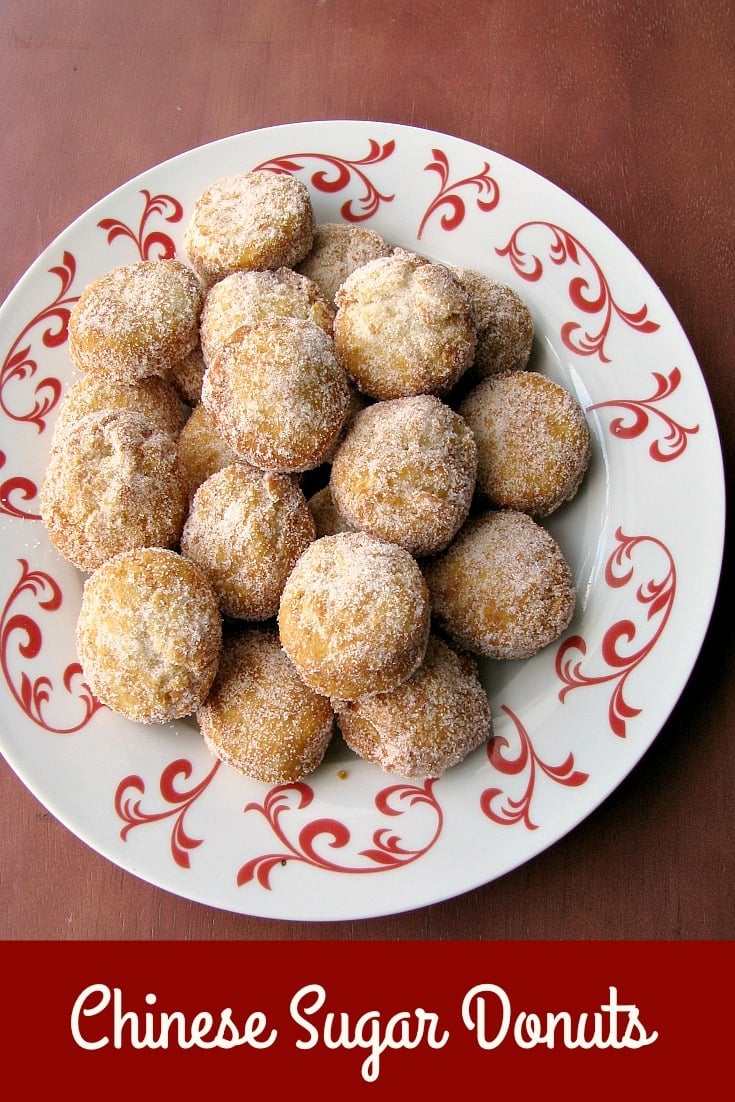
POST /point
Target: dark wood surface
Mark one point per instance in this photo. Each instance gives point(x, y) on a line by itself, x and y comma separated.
point(627, 105)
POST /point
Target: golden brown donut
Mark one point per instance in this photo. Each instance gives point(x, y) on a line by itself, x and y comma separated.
point(354, 615)
point(278, 394)
point(149, 635)
point(327, 517)
point(154, 398)
point(249, 220)
point(260, 718)
point(403, 326)
point(405, 472)
point(203, 449)
point(245, 530)
point(533, 441)
point(503, 321)
point(338, 249)
point(428, 724)
point(186, 376)
point(138, 319)
point(249, 297)
point(114, 483)
point(503, 588)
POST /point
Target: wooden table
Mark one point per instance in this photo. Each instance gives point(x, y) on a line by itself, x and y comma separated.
point(627, 106)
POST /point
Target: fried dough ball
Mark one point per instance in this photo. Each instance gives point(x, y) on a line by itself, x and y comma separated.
point(278, 394)
point(186, 376)
point(533, 441)
point(249, 220)
point(149, 635)
point(327, 517)
point(428, 724)
point(338, 249)
point(403, 326)
point(354, 615)
point(503, 321)
point(503, 588)
point(154, 398)
point(405, 472)
point(203, 449)
point(245, 530)
point(114, 483)
point(247, 298)
point(138, 319)
point(260, 718)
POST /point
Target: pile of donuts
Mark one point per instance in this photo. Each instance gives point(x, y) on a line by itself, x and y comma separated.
point(304, 473)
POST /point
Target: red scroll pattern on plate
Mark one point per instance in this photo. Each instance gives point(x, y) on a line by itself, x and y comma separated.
point(641, 411)
point(488, 193)
point(338, 175)
point(150, 244)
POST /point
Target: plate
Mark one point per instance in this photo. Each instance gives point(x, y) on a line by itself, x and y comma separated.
point(644, 538)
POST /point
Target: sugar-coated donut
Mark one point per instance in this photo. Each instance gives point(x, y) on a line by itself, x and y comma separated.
point(186, 376)
point(149, 635)
point(203, 449)
point(327, 517)
point(428, 724)
point(153, 397)
point(405, 472)
point(245, 530)
point(503, 321)
point(337, 250)
point(533, 441)
point(404, 326)
point(250, 297)
point(278, 394)
point(249, 220)
point(503, 588)
point(260, 718)
point(354, 615)
point(114, 483)
point(138, 319)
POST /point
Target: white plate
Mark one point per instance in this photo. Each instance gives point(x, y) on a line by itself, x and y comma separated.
point(644, 538)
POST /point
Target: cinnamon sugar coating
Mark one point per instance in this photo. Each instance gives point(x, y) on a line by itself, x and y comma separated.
point(338, 249)
point(503, 321)
point(186, 376)
point(203, 449)
point(138, 319)
point(503, 588)
point(403, 327)
point(533, 441)
point(245, 530)
point(354, 615)
point(260, 718)
point(405, 472)
point(149, 635)
point(249, 220)
point(114, 483)
point(278, 394)
point(428, 724)
point(154, 398)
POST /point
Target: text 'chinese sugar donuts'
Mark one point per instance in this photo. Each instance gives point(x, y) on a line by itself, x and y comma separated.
point(429, 723)
point(278, 394)
point(138, 319)
point(404, 326)
point(405, 472)
point(260, 717)
point(245, 530)
point(249, 220)
point(113, 483)
point(533, 441)
point(503, 588)
point(354, 615)
point(149, 635)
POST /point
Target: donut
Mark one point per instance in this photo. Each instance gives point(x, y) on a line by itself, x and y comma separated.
point(337, 250)
point(202, 448)
point(249, 220)
point(405, 472)
point(250, 297)
point(149, 635)
point(503, 321)
point(327, 518)
point(136, 320)
point(186, 376)
point(403, 326)
point(503, 588)
point(114, 483)
point(428, 724)
point(259, 717)
point(533, 441)
point(354, 615)
point(245, 530)
point(278, 394)
point(154, 398)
